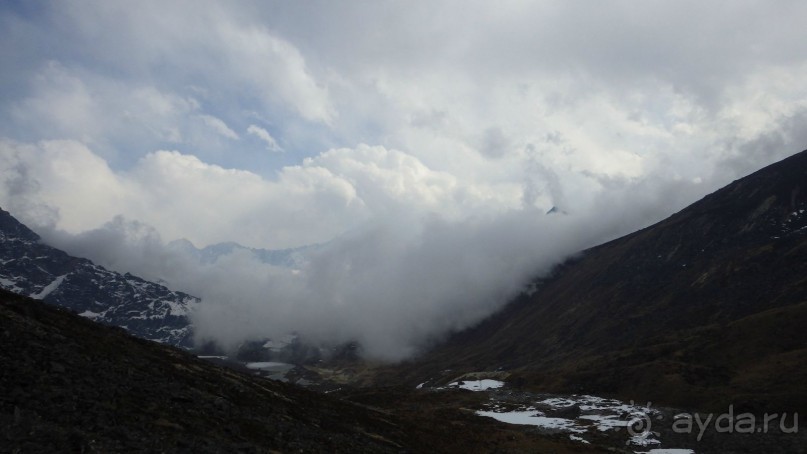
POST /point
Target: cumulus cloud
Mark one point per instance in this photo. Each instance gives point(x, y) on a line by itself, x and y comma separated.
point(63, 176)
point(276, 69)
point(187, 67)
point(178, 194)
point(185, 197)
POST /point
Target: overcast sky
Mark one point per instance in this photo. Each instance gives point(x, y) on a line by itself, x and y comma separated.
point(280, 124)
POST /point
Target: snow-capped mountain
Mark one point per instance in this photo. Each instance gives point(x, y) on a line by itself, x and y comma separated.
point(148, 310)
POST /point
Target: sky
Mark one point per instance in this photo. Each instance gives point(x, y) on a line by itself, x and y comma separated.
point(421, 142)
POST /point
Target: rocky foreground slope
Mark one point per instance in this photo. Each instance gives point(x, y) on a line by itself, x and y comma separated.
point(71, 385)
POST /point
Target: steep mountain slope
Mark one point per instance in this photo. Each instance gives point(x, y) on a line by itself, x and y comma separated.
point(146, 309)
point(71, 385)
point(704, 309)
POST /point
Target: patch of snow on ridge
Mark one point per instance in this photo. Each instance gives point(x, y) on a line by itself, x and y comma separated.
point(90, 314)
point(48, 289)
point(9, 284)
point(179, 309)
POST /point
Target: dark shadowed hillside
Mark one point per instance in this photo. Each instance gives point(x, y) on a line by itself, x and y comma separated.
point(704, 309)
point(71, 385)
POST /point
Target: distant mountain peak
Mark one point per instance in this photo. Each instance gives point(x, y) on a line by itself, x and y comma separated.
point(11, 228)
point(556, 210)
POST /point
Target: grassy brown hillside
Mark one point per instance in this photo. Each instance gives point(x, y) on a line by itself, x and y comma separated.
point(704, 309)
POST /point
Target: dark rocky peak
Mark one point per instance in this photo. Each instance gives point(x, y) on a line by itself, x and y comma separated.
point(149, 310)
point(12, 229)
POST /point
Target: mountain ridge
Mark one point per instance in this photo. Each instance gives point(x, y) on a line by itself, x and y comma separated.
point(147, 309)
point(646, 316)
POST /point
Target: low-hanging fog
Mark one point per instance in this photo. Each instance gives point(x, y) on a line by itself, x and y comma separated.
point(417, 146)
point(395, 284)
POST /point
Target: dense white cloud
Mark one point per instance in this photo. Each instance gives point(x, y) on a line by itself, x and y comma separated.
point(276, 69)
point(416, 254)
point(59, 183)
point(179, 194)
point(414, 134)
point(184, 197)
point(394, 286)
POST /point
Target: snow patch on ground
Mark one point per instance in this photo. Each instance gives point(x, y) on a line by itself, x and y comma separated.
point(477, 385)
point(667, 451)
point(578, 414)
point(644, 439)
point(574, 437)
point(534, 418)
point(606, 422)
